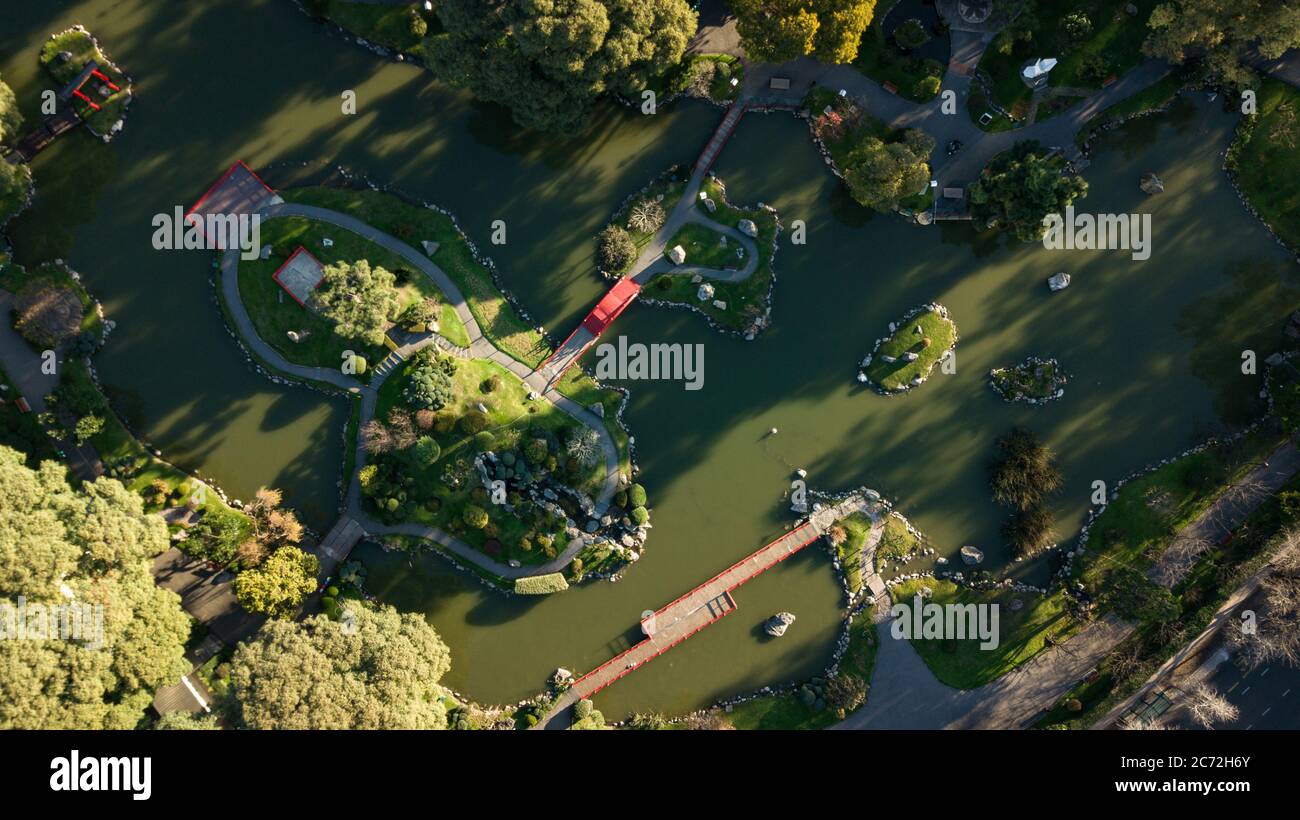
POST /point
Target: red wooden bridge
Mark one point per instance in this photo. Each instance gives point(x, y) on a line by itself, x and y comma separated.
point(705, 604)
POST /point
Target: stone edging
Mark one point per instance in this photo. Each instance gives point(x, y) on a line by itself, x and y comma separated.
point(932, 307)
point(1062, 379)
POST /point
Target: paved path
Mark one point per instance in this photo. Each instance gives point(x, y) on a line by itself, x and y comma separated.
point(480, 348)
point(906, 695)
point(23, 364)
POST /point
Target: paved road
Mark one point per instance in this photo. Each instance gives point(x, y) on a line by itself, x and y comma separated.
point(23, 364)
point(480, 347)
point(1267, 697)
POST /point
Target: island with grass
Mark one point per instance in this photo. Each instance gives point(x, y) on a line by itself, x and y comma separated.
point(97, 89)
point(1033, 381)
point(918, 342)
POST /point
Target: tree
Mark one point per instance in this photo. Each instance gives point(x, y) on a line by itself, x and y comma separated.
point(1207, 708)
point(11, 120)
point(185, 721)
point(277, 587)
point(377, 669)
point(1221, 31)
point(358, 299)
point(1028, 531)
point(879, 174)
point(845, 693)
point(1025, 472)
point(87, 428)
point(217, 536)
point(419, 314)
point(646, 216)
point(1276, 637)
point(474, 516)
point(272, 525)
point(88, 547)
point(15, 183)
point(430, 386)
point(1020, 187)
point(548, 60)
point(426, 450)
point(776, 31)
point(615, 249)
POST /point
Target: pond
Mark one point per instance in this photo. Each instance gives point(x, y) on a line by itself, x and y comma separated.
point(1152, 368)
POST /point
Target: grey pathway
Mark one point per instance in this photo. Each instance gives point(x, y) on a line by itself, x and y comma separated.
point(480, 347)
point(23, 364)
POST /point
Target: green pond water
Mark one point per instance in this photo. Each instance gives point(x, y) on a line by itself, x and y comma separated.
point(1153, 348)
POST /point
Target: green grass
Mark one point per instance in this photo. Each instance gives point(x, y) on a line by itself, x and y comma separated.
point(704, 247)
point(82, 48)
point(896, 541)
point(745, 300)
point(1152, 97)
point(275, 313)
point(669, 185)
point(856, 527)
point(14, 278)
point(385, 25)
point(786, 711)
point(1150, 510)
point(882, 62)
point(896, 375)
point(500, 322)
point(962, 663)
point(1266, 159)
point(680, 77)
point(1116, 37)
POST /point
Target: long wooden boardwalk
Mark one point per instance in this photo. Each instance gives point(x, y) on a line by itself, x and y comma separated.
point(692, 612)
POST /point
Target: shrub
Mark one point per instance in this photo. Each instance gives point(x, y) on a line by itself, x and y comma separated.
point(474, 516)
point(636, 495)
point(927, 87)
point(419, 27)
point(615, 249)
point(473, 422)
point(911, 34)
point(426, 450)
point(536, 450)
point(431, 374)
point(583, 708)
point(639, 515)
point(491, 384)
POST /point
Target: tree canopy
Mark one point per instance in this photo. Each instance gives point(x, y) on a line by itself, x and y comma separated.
point(548, 60)
point(358, 299)
point(88, 546)
point(277, 586)
point(1020, 187)
point(374, 669)
point(1221, 30)
point(776, 31)
point(880, 173)
point(10, 119)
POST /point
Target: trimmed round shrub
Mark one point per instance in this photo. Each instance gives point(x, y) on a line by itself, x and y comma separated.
point(636, 495)
point(639, 515)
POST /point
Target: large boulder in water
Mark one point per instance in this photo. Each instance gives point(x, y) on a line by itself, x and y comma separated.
point(1151, 184)
point(778, 624)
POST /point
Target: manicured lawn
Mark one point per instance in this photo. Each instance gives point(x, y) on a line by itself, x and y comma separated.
point(580, 387)
point(1115, 39)
point(745, 300)
point(704, 247)
point(940, 332)
point(412, 224)
point(896, 541)
point(382, 24)
point(788, 711)
point(962, 663)
point(82, 48)
point(275, 313)
point(883, 62)
point(1266, 159)
point(1136, 527)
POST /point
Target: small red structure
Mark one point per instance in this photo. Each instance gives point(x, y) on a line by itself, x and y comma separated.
point(611, 305)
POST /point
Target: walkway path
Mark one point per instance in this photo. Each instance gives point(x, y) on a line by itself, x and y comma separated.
point(23, 364)
point(906, 695)
point(692, 612)
point(480, 348)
